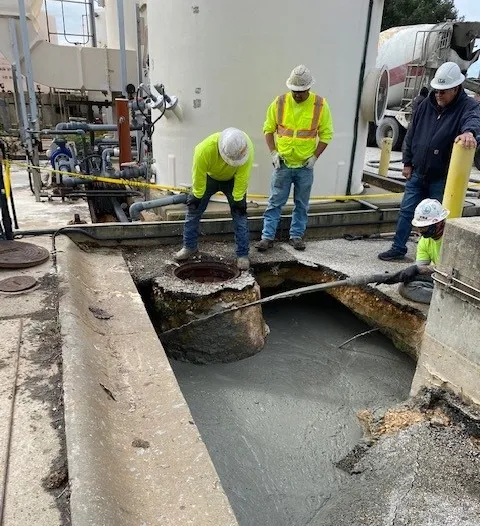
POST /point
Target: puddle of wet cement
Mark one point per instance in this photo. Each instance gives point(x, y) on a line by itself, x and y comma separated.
point(275, 424)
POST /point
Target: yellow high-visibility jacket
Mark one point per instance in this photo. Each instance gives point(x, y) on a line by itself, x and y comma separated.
point(298, 125)
point(207, 160)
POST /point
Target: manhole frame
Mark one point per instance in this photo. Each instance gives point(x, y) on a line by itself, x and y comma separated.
point(190, 266)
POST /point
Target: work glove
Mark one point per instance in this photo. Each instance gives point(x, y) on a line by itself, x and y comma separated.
point(404, 276)
point(193, 202)
point(311, 162)
point(240, 206)
point(275, 159)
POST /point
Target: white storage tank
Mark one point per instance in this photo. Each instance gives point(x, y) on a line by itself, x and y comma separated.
point(226, 61)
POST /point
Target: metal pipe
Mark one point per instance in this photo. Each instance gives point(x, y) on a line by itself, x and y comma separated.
point(137, 207)
point(361, 77)
point(106, 158)
point(123, 124)
point(28, 64)
point(119, 211)
point(131, 172)
point(90, 127)
point(121, 39)
point(458, 179)
point(93, 27)
point(19, 82)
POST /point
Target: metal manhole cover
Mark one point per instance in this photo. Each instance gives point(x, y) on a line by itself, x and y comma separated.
point(17, 284)
point(16, 254)
point(206, 272)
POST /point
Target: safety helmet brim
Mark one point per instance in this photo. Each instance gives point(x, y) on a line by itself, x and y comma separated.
point(428, 222)
point(293, 87)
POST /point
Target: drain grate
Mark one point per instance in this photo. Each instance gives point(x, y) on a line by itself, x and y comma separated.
point(208, 272)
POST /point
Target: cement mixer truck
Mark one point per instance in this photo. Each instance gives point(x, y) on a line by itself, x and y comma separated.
point(412, 54)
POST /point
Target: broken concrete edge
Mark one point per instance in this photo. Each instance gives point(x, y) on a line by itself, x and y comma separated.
point(403, 323)
point(135, 455)
point(434, 405)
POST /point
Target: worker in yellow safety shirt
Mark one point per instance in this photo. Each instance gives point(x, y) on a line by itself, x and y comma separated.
point(221, 163)
point(416, 280)
point(302, 123)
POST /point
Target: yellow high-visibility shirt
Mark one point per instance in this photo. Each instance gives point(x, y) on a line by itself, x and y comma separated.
point(428, 250)
point(297, 134)
point(207, 160)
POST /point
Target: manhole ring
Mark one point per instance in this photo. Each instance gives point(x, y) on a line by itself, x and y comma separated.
point(206, 272)
point(17, 284)
point(16, 254)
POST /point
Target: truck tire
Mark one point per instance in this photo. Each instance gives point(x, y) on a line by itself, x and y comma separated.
point(389, 127)
point(372, 138)
point(476, 160)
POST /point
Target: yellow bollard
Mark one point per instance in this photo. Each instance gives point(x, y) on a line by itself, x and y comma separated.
point(6, 177)
point(385, 156)
point(457, 179)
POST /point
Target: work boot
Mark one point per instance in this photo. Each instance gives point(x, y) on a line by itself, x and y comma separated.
point(185, 253)
point(297, 243)
point(264, 244)
point(243, 263)
point(391, 255)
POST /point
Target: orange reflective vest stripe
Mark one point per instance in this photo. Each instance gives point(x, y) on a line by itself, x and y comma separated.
point(311, 133)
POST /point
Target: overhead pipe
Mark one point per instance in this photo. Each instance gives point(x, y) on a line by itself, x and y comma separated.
point(121, 41)
point(139, 206)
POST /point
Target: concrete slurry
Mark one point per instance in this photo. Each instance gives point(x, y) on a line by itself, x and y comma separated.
point(275, 424)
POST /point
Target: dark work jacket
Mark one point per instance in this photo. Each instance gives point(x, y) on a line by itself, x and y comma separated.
point(431, 134)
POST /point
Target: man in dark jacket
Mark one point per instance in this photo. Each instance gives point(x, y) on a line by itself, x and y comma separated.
point(448, 116)
point(419, 98)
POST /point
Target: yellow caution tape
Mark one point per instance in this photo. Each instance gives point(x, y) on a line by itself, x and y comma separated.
point(129, 182)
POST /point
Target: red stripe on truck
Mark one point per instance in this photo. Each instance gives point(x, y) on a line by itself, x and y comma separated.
point(398, 74)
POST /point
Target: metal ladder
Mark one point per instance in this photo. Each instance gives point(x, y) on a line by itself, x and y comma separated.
point(421, 70)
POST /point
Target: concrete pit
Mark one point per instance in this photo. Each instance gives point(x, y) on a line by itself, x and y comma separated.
point(196, 289)
point(277, 423)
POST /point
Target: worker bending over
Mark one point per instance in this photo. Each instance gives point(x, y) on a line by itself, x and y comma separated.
point(416, 280)
point(221, 163)
point(303, 126)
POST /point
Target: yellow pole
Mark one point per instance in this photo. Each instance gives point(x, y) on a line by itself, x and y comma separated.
point(6, 178)
point(457, 179)
point(385, 156)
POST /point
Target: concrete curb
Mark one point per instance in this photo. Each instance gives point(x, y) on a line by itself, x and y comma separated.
point(135, 456)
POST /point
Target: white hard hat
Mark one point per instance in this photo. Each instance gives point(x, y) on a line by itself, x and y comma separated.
point(429, 212)
point(233, 147)
point(447, 76)
point(300, 79)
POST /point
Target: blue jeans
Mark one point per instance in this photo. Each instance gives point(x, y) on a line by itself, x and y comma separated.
point(282, 180)
point(239, 216)
point(416, 190)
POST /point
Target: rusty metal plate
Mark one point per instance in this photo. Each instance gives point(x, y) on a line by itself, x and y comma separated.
point(17, 284)
point(16, 254)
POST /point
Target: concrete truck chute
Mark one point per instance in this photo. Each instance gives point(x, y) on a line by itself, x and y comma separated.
point(412, 54)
